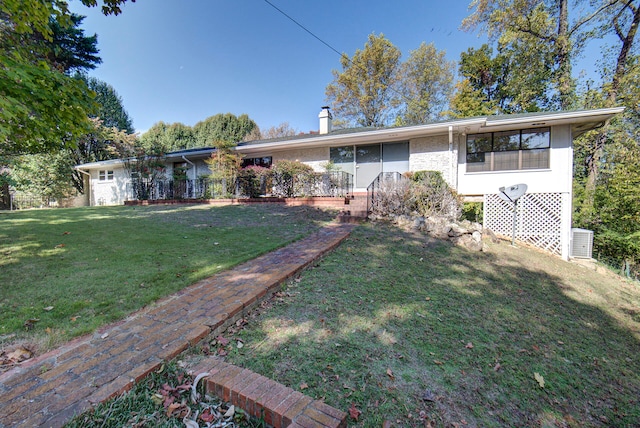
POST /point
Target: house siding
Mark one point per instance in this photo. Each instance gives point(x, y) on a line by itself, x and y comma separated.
point(433, 154)
point(110, 192)
point(556, 179)
point(315, 158)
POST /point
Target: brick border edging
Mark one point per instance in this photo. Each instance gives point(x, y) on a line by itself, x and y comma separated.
point(261, 397)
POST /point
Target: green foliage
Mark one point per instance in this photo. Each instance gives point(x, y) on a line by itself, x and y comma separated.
point(619, 250)
point(473, 211)
point(255, 181)
point(426, 84)
point(43, 175)
point(42, 108)
point(290, 178)
point(363, 92)
point(222, 128)
point(111, 109)
point(169, 137)
point(432, 196)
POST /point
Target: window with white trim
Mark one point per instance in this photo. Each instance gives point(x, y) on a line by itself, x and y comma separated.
point(105, 175)
point(509, 150)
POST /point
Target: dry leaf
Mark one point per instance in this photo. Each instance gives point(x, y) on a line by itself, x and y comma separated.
point(48, 308)
point(390, 374)
point(353, 412)
point(104, 336)
point(66, 233)
point(438, 362)
point(386, 424)
point(19, 354)
point(171, 408)
point(539, 378)
point(222, 340)
point(60, 246)
point(303, 386)
point(469, 345)
point(497, 367)
point(230, 412)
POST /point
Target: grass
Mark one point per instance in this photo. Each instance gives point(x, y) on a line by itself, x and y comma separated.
point(417, 332)
point(74, 270)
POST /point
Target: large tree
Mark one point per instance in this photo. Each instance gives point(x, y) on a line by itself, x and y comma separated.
point(364, 93)
point(426, 84)
point(557, 27)
point(225, 127)
point(514, 80)
point(42, 108)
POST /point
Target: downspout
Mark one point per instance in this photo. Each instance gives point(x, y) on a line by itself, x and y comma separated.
point(89, 182)
point(194, 168)
point(194, 174)
point(452, 182)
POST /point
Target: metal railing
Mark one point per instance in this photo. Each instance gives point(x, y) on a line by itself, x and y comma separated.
point(327, 184)
point(373, 190)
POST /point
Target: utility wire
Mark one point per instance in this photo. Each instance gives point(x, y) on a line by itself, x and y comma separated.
point(305, 29)
point(342, 55)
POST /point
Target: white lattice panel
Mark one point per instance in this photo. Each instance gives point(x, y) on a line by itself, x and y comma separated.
point(539, 219)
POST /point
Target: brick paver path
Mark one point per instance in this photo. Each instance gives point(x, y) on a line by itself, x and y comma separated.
point(49, 390)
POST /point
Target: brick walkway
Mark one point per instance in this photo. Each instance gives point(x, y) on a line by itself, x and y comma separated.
point(52, 388)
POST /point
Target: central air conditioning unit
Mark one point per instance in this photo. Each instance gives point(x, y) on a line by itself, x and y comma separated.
point(581, 243)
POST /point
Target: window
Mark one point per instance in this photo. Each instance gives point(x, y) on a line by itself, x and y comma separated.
point(509, 150)
point(105, 175)
point(264, 162)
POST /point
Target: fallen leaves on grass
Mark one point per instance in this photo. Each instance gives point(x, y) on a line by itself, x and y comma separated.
point(390, 374)
point(539, 379)
point(469, 345)
point(16, 356)
point(354, 412)
point(48, 308)
point(30, 323)
point(303, 386)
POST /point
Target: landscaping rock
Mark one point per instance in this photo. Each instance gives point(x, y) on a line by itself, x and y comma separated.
point(465, 233)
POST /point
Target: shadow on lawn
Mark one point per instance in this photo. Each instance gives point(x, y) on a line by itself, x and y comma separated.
point(391, 316)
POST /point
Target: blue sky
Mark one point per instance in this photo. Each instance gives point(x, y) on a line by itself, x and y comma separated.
point(183, 61)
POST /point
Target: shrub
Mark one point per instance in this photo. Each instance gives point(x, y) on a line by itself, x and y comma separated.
point(432, 196)
point(473, 211)
point(290, 178)
point(255, 181)
point(422, 192)
point(619, 250)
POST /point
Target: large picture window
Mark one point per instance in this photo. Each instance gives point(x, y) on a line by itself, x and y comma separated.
point(509, 150)
point(264, 162)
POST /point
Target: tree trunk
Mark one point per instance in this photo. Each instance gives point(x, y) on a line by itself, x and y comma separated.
point(563, 56)
point(627, 43)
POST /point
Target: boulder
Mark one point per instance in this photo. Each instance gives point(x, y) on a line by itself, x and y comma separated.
point(467, 241)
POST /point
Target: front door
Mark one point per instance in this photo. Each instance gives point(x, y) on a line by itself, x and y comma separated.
point(368, 164)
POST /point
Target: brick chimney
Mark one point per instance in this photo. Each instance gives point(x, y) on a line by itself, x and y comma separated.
point(325, 120)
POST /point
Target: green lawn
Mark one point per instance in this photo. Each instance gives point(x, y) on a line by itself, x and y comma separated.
point(421, 333)
point(77, 269)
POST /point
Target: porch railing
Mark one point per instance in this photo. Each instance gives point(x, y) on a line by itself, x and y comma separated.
point(327, 184)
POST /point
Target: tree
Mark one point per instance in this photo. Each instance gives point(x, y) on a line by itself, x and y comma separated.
point(363, 93)
point(515, 80)
point(226, 127)
point(282, 130)
point(169, 137)
point(548, 26)
point(47, 176)
point(426, 84)
point(110, 109)
point(69, 49)
point(42, 108)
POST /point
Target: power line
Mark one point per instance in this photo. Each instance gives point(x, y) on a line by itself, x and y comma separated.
point(342, 55)
point(305, 28)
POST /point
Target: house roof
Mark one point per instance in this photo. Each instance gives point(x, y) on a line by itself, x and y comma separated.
point(580, 121)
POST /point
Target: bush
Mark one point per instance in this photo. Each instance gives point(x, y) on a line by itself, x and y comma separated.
point(422, 192)
point(619, 250)
point(432, 196)
point(473, 211)
point(292, 178)
point(255, 181)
